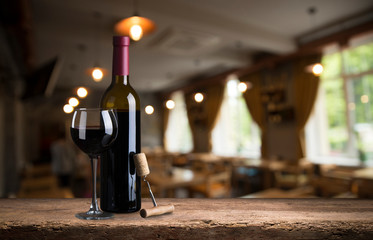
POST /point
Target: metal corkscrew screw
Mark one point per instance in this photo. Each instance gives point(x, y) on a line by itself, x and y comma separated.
point(150, 192)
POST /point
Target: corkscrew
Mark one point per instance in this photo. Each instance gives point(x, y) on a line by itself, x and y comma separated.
point(142, 169)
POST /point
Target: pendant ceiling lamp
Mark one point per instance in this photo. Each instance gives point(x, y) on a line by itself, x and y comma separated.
point(135, 27)
point(97, 72)
point(316, 68)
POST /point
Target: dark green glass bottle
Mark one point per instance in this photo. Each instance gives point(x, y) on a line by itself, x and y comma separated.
point(120, 185)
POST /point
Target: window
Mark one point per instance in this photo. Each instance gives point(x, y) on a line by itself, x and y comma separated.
point(178, 133)
point(341, 127)
point(235, 133)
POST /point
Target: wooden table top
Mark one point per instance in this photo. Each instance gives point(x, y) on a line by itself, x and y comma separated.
point(193, 219)
point(364, 173)
point(273, 165)
point(350, 173)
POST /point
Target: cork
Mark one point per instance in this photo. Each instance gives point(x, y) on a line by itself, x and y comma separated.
point(141, 164)
point(155, 211)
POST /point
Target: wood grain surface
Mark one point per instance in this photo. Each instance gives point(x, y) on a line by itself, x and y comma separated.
point(193, 219)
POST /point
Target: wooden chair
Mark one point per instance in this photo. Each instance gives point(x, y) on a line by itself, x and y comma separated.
point(363, 182)
point(364, 188)
point(159, 163)
point(39, 182)
point(245, 180)
point(333, 181)
point(331, 186)
point(180, 160)
point(288, 175)
point(217, 182)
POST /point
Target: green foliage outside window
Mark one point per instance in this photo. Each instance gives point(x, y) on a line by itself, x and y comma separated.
point(359, 59)
point(336, 111)
point(348, 99)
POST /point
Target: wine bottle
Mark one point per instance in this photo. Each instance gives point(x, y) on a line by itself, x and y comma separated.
point(120, 185)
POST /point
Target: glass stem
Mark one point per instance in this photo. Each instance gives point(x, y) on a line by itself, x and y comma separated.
point(94, 206)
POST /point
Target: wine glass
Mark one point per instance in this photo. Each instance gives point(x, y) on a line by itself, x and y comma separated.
point(93, 130)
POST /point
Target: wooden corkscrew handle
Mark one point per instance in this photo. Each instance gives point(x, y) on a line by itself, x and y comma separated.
point(155, 211)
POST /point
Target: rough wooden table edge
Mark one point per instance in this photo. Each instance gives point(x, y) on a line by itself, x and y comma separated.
point(204, 225)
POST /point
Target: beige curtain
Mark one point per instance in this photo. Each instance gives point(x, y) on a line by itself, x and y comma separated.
point(203, 116)
point(253, 101)
point(305, 92)
point(166, 114)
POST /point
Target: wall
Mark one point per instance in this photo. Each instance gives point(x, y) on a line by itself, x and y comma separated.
point(282, 141)
point(151, 125)
point(10, 79)
point(283, 135)
point(9, 163)
point(2, 180)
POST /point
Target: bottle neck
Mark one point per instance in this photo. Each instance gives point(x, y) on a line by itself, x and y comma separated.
point(120, 61)
point(121, 79)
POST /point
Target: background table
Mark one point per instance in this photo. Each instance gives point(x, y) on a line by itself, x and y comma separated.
point(193, 219)
point(179, 178)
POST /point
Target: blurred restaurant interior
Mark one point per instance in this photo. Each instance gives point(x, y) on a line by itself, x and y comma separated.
point(252, 99)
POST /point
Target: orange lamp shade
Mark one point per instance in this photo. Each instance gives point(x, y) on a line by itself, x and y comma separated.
point(140, 26)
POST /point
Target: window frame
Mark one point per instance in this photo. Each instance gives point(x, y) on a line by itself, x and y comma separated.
point(350, 158)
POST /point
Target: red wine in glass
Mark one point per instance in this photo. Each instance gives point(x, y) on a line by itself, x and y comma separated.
point(93, 141)
point(93, 130)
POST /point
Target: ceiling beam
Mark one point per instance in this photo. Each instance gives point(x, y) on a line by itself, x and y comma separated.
point(340, 31)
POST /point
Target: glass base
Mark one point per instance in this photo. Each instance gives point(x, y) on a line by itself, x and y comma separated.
point(94, 215)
